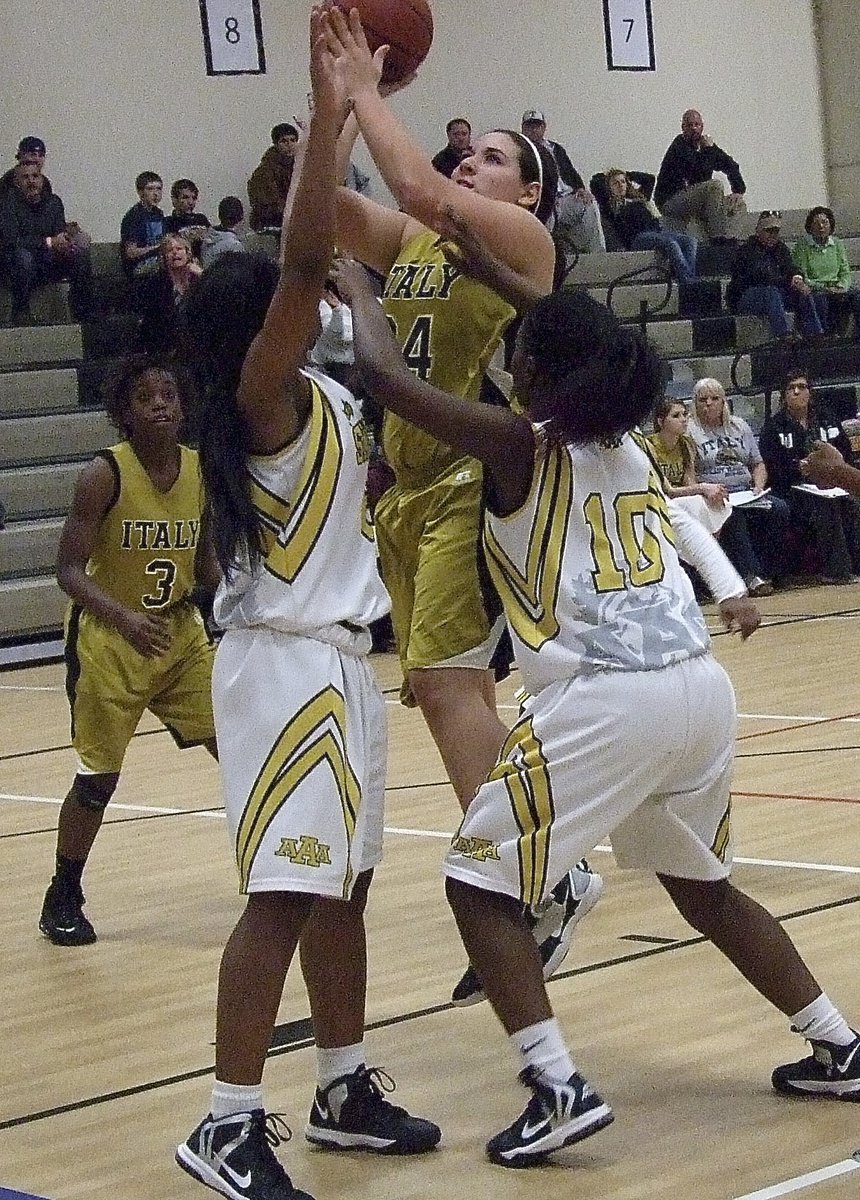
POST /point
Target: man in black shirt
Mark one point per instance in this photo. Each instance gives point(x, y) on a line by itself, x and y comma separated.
point(686, 189)
point(38, 247)
point(765, 282)
point(459, 133)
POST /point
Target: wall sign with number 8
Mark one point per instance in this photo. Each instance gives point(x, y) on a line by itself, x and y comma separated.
point(233, 37)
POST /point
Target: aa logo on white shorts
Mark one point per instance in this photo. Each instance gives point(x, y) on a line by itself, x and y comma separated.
point(305, 851)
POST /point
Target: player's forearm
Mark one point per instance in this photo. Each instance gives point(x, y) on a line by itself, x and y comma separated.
point(699, 548)
point(406, 169)
point(79, 587)
point(307, 235)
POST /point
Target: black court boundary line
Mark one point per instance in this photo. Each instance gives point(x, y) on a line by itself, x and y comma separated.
point(813, 750)
point(791, 619)
point(68, 746)
point(386, 1023)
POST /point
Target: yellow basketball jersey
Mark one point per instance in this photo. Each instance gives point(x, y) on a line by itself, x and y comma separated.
point(144, 554)
point(447, 326)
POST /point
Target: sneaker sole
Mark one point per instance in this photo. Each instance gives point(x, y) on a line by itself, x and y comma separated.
point(203, 1173)
point(838, 1089)
point(57, 938)
point(333, 1139)
point(589, 899)
point(589, 1123)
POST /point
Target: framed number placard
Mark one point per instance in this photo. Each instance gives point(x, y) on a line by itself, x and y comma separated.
point(233, 37)
point(629, 35)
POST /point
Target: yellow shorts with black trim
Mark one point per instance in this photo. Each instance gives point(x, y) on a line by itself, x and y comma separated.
point(302, 748)
point(642, 758)
point(110, 686)
point(443, 607)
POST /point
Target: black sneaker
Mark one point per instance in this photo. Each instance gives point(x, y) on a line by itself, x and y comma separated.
point(234, 1156)
point(831, 1071)
point(62, 920)
point(557, 1115)
point(572, 899)
point(353, 1114)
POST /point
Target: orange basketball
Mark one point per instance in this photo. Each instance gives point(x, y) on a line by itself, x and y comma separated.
point(406, 26)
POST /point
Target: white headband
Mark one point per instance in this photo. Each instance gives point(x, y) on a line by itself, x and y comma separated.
point(538, 159)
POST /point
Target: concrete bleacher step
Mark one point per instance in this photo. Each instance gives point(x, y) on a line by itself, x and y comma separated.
point(20, 346)
point(26, 440)
point(29, 606)
point(627, 299)
point(33, 392)
point(604, 267)
point(29, 547)
point(30, 492)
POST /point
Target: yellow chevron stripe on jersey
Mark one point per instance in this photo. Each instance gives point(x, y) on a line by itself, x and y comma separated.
point(316, 736)
point(524, 769)
point(313, 496)
point(723, 835)
point(530, 598)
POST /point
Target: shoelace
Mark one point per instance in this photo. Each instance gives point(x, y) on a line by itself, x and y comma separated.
point(275, 1129)
point(374, 1083)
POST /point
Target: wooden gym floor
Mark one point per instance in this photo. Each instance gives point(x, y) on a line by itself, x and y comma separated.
point(106, 1052)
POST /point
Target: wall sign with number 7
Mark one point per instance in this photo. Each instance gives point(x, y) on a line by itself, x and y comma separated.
point(233, 37)
point(629, 35)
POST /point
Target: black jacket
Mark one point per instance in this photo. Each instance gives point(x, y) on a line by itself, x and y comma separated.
point(685, 165)
point(567, 172)
point(25, 226)
point(783, 442)
point(447, 161)
point(757, 265)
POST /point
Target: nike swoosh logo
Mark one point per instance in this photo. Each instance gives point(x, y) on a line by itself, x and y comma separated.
point(323, 1111)
point(242, 1181)
point(530, 1131)
point(533, 1046)
point(844, 1068)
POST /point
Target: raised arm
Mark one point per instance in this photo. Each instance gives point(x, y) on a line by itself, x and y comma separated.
point(502, 440)
point(511, 232)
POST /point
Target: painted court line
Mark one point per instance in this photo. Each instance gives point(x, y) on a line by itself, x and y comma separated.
point(801, 1182)
point(398, 831)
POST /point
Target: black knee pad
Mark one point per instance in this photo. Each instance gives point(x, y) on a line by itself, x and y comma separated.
point(93, 791)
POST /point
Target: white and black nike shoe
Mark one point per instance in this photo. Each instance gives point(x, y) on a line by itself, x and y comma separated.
point(557, 1115)
point(233, 1155)
point(830, 1071)
point(353, 1114)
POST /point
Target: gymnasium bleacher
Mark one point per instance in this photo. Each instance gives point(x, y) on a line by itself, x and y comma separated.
point(52, 419)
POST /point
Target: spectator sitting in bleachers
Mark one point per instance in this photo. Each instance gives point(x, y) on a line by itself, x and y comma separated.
point(675, 453)
point(727, 454)
point(766, 283)
point(822, 260)
point(269, 185)
point(227, 237)
point(38, 246)
point(184, 194)
point(686, 190)
point(637, 226)
point(160, 293)
point(31, 150)
point(577, 218)
point(788, 436)
point(142, 227)
point(459, 133)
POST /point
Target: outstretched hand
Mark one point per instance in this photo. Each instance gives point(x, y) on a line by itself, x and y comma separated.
point(330, 97)
point(740, 615)
point(357, 68)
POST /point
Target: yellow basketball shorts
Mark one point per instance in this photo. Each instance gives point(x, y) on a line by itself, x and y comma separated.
point(110, 686)
point(443, 607)
point(302, 750)
point(642, 758)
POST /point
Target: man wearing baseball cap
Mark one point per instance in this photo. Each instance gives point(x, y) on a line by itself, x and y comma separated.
point(577, 217)
point(766, 283)
point(31, 151)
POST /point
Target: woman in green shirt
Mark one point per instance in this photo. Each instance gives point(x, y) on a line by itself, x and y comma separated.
point(822, 260)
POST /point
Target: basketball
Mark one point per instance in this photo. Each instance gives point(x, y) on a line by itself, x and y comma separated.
point(406, 26)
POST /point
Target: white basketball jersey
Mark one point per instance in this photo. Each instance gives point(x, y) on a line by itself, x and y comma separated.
point(318, 576)
point(587, 569)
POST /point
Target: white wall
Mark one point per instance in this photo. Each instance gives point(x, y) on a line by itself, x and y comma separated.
point(118, 88)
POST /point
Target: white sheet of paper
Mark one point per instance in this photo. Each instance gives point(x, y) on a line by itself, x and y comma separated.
point(813, 489)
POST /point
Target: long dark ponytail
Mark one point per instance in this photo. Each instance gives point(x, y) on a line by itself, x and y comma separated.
point(223, 312)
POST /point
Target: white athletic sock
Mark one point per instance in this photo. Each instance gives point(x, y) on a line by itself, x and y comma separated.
point(542, 1046)
point(229, 1098)
point(338, 1061)
point(821, 1021)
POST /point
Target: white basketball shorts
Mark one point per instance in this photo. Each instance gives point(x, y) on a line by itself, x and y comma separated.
point(301, 730)
point(643, 758)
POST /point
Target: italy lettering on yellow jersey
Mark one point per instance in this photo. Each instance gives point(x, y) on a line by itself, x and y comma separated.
point(448, 327)
point(144, 552)
point(319, 568)
point(587, 569)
